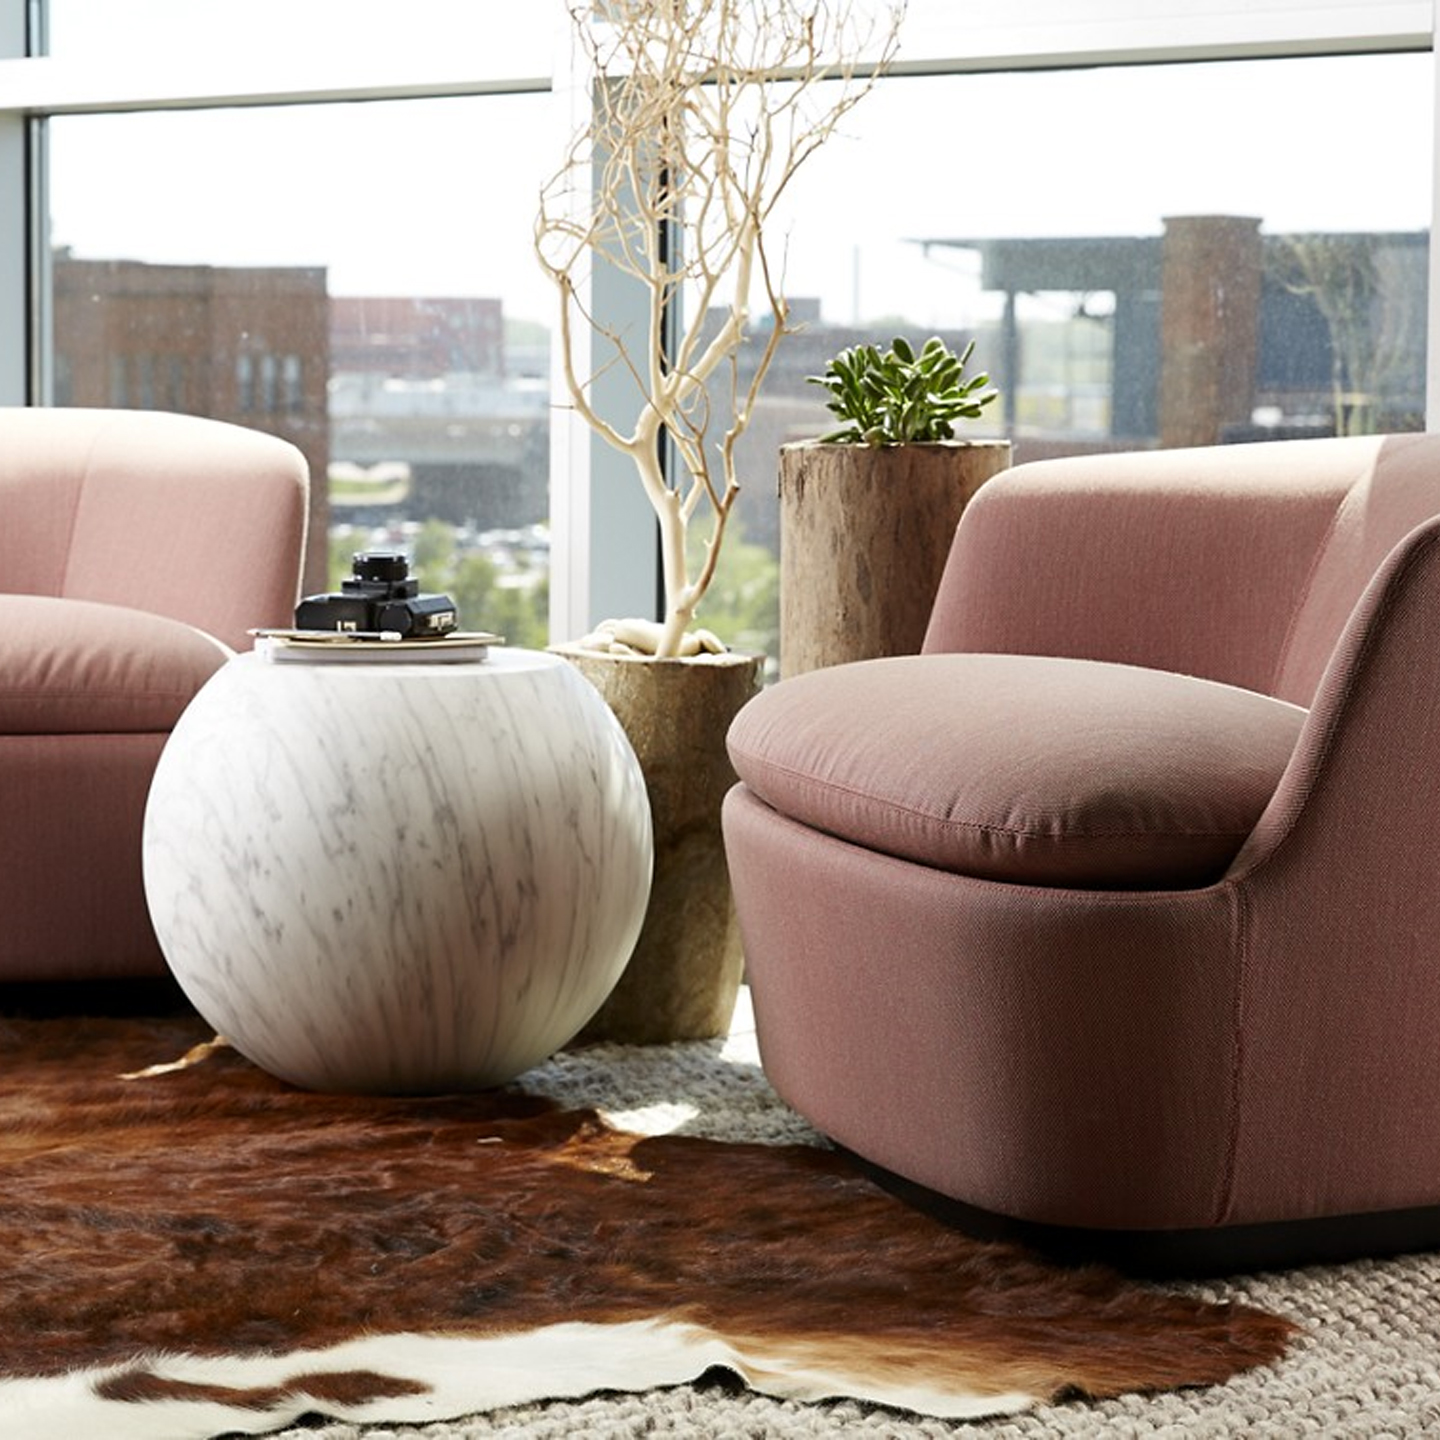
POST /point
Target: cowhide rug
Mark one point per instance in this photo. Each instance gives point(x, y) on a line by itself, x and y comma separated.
point(209, 1251)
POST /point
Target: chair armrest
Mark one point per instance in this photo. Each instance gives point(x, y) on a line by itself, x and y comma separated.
point(1185, 560)
point(1337, 914)
point(1362, 783)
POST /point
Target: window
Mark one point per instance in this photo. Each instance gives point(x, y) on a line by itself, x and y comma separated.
point(293, 395)
point(1148, 255)
point(974, 191)
point(355, 278)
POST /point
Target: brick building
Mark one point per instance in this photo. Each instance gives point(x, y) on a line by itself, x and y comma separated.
point(421, 338)
point(250, 345)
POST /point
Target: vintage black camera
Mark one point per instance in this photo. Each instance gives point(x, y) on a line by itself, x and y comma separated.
point(379, 597)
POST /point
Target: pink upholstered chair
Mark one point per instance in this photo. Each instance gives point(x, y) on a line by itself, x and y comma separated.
point(1116, 912)
point(135, 548)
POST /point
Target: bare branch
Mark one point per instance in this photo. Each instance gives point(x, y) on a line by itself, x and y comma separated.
point(703, 111)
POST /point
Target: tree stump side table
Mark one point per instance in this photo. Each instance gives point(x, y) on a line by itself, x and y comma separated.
point(397, 877)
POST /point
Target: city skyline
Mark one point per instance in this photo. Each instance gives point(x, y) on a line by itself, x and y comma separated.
point(389, 198)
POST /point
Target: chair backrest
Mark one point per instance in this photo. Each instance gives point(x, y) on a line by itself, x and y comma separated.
point(1239, 563)
point(195, 519)
point(1398, 491)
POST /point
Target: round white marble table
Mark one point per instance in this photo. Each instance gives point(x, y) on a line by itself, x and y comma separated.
point(397, 877)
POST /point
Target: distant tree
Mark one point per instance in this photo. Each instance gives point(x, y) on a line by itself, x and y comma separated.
point(470, 582)
point(433, 555)
point(519, 613)
point(1370, 335)
point(344, 542)
point(742, 605)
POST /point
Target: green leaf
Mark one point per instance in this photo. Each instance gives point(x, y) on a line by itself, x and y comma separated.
point(899, 396)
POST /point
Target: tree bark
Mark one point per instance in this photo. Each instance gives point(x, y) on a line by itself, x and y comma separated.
point(684, 974)
point(864, 535)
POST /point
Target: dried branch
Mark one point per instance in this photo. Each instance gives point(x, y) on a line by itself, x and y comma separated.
point(703, 112)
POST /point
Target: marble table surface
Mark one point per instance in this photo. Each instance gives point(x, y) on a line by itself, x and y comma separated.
point(398, 877)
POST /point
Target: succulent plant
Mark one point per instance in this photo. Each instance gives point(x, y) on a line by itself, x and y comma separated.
point(900, 397)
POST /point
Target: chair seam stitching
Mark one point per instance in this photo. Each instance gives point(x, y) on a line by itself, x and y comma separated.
point(1282, 656)
point(1240, 923)
point(80, 490)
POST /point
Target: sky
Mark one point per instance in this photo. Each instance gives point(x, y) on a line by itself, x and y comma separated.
point(437, 197)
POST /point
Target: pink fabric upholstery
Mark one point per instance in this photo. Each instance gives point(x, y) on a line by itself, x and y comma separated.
point(71, 888)
point(72, 667)
point(985, 1039)
point(137, 549)
point(183, 517)
point(1034, 769)
point(1257, 1048)
point(1197, 561)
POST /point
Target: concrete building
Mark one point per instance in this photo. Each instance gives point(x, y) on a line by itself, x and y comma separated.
point(1214, 324)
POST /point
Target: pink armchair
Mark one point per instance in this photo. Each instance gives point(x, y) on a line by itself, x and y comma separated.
point(1116, 912)
point(135, 547)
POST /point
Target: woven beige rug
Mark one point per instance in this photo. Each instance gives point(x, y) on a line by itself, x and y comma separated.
point(1367, 1366)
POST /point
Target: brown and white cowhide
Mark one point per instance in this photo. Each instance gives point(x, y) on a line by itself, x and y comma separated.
point(211, 1251)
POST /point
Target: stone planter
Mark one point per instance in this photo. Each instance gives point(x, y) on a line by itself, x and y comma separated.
point(864, 536)
point(686, 967)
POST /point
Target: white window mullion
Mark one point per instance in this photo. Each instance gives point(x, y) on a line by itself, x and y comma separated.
point(1023, 34)
point(604, 539)
point(61, 85)
point(14, 212)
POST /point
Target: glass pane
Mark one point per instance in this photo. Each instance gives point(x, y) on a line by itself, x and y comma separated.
point(1186, 254)
point(497, 33)
point(519, 38)
point(355, 278)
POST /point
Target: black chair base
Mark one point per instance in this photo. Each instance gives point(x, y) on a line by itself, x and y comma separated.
point(1182, 1254)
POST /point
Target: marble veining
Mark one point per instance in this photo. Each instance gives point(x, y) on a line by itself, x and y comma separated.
point(398, 877)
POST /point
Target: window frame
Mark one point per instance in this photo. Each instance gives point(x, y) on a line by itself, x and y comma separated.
point(604, 558)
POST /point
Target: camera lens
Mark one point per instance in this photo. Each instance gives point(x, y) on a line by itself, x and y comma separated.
point(380, 565)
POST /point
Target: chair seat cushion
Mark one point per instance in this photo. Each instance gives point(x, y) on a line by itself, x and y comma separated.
point(70, 667)
point(1020, 768)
